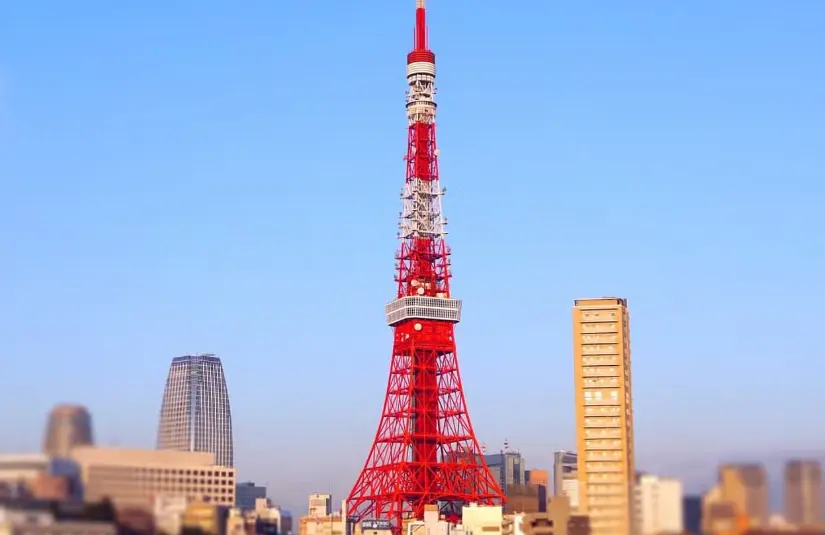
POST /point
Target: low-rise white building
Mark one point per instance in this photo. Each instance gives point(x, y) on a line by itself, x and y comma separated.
point(658, 502)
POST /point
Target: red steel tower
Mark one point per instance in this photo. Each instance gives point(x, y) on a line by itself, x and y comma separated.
point(425, 451)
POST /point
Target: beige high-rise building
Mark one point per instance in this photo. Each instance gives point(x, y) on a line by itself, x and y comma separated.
point(746, 487)
point(604, 414)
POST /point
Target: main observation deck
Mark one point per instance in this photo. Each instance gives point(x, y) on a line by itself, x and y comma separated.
point(425, 308)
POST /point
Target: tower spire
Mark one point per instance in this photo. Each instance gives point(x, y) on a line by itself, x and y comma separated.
point(420, 25)
point(425, 451)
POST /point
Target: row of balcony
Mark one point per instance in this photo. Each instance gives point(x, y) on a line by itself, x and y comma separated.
point(600, 360)
point(603, 433)
point(603, 410)
point(599, 316)
point(603, 455)
point(601, 371)
point(600, 327)
point(609, 444)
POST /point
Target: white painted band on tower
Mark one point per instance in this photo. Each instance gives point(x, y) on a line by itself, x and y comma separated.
point(421, 67)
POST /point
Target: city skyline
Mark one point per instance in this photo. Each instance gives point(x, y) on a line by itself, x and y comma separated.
point(120, 277)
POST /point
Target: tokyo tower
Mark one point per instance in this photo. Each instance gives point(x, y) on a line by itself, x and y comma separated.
point(425, 451)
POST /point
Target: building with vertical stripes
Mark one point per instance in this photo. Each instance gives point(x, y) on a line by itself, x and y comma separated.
point(195, 413)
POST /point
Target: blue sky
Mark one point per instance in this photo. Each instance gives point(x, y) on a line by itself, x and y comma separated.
point(223, 177)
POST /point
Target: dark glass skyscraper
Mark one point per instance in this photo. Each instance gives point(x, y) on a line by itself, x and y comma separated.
point(195, 414)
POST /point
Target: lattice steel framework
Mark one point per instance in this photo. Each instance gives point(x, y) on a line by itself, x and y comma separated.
point(425, 451)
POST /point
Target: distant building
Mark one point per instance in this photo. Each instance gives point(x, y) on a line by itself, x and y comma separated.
point(204, 519)
point(784, 530)
point(659, 507)
point(195, 413)
point(319, 505)
point(537, 477)
point(132, 478)
point(557, 520)
point(692, 514)
point(803, 493)
point(268, 518)
point(738, 502)
point(508, 467)
point(42, 517)
point(67, 426)
point(321, 520)
point(42, 476)
point(566, 476)
point(721, 517)
point(475, 519)
point(746, 487)
point(526, 498)
point(246, 494)
point(168, 510)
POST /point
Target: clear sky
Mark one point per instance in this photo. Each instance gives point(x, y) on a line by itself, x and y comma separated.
point(223, 177)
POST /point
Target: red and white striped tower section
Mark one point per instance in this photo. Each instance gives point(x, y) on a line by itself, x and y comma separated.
point(425, 451)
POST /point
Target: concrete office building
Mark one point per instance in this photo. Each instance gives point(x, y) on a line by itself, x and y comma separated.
point(132, 478)
point(319, 505)
point(45, 517)
point(195, 413)
point(604, 414)
point(508, 467)
point(566, 477)
point(558, 519)
point(537, 477)
point(247, 494)
point(803, 493)
point(526, 498)
point(40, 476)
point(67, 426)
point(269, 517)
point(659, 505)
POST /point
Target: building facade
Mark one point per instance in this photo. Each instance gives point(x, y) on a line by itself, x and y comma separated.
point(133, 478)
point(247, 494)
point(803, 493)
point(558, 519)
point(604, 414)
point(195, 413)
point(508, 468)
point(659, 505)
point(44, 517)
point(537, 477)
point(67, 426)
point(40, 476)
point(319, 505)
point(566, 477)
